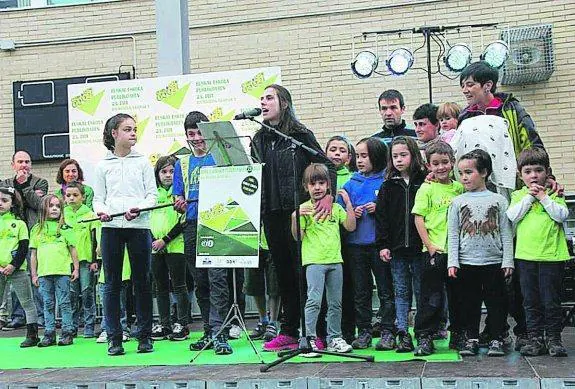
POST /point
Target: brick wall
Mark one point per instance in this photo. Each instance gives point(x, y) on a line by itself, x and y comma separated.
point(309, 40)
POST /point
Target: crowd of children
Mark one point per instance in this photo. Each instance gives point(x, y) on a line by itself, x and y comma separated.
point(399, 218)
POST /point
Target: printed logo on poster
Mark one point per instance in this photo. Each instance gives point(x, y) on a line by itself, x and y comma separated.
point(229, 216)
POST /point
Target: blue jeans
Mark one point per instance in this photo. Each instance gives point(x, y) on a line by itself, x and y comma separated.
point(139, 244)
point(319, 277)
point(123, 314)
point(56, 289)
point(541, 287)
point(84, 287)
point(406, 274)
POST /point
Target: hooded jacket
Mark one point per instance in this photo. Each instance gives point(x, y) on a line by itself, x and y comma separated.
point(395, 225)
point(362, 190)
point(387, 134)
point(122, 183)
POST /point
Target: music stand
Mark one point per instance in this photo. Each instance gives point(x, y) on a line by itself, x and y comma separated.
point(225, 146)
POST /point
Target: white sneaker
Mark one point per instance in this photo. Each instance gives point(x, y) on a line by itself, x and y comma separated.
point(125, 337)
point(314, 347)
point(235, 331)
point(103, 338)
point(338, 345)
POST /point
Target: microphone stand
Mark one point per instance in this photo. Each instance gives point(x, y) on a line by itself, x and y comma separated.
point(304, 345)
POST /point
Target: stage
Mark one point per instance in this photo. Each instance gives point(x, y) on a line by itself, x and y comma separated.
point(511, 371)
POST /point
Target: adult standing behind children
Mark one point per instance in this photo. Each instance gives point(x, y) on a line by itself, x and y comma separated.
point(125, 182)
point(278, 188)
point(68, 172)
point(391, 107)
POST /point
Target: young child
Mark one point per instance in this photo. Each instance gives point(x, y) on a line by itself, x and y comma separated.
point(13, 249)
point(430, 209)
point(212, 290)
point(70, 171)
point(362, 190)
point(342, 154)
point(447, 114)
point(397, 239)
point(541, 253)
point(257, 283)
point(86, 235)
point(480, 252)
point(168, 259)
point(321, 256)
point(51, 252)
point(124, 182)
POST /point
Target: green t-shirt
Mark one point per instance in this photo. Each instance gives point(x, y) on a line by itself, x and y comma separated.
point(12, 231)
point(52, 246)
point(321, 243)
point(164, 219)
point(343, 176)
point(126, 269)
point(432, 202)
point(539, 238)
point(83, 231)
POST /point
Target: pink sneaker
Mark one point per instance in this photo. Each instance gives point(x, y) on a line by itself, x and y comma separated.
point(320, 343)
point(281, 342)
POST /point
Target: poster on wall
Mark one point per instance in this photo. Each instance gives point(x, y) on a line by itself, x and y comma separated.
point(159, 106)
point(229, 216)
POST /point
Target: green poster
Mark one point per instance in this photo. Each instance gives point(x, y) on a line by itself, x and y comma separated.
point(229, 216)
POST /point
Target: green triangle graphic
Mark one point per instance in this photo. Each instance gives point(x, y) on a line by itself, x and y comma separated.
point(142, 128)
point(91, 106)
point(176, 99)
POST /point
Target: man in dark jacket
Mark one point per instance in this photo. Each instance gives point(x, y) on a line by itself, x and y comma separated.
point(31, 189)
point(391, 107)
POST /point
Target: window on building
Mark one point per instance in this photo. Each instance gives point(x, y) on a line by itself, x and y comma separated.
point(12, 4)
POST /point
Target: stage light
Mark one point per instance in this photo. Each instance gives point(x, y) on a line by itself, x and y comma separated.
point(399, 61)
point(457, 58)
point(364, 64)
point(495, 54)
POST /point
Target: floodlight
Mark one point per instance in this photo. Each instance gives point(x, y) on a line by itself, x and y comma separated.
point(495, 54)
point(457, 58)
point(364, 64)
point(399, 61)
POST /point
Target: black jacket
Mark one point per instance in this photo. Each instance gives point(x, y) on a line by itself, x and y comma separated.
point(277, 175)
point(394, 224)
point(390, 133)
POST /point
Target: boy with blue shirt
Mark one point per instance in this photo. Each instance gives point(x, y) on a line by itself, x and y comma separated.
point(212, 290)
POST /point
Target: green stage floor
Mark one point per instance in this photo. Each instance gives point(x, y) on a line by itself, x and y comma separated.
point(88, 353)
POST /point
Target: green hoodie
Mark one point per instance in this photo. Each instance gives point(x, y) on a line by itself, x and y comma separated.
point(343, 176)
point(83, 231)
point(164, 219)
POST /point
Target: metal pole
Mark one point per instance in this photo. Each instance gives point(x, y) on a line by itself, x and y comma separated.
point(427, 33)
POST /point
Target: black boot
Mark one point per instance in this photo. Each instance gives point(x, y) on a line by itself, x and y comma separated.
point(31, 336)
point(555, 346)
point(49, 339)
point(66, 339)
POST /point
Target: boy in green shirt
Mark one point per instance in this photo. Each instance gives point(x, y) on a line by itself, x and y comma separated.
point(86, 235)
point(430, 209)
point(541, 252)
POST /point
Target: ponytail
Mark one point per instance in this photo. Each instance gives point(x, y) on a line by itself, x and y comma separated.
point(112, 124)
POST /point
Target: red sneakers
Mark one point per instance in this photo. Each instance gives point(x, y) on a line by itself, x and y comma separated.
point(281, 342)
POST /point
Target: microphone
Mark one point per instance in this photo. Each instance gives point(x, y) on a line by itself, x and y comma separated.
point(248, 114)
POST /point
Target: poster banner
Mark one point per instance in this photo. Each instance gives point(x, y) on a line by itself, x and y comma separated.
point(229, 216)
point(159, 106)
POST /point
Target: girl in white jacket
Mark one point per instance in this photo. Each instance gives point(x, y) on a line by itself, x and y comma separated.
point(125, 183)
